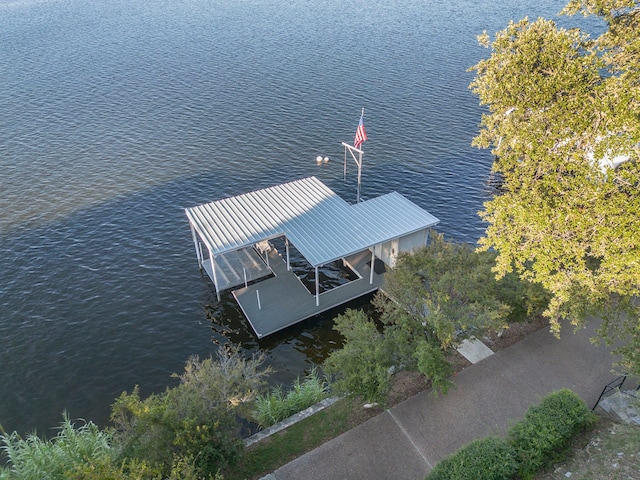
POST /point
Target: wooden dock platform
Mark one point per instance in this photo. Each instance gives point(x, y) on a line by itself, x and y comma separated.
point(281, 301)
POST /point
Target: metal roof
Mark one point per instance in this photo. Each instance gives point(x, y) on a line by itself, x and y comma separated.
point(321, 225)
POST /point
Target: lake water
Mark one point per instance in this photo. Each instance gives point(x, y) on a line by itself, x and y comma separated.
point(115, 115)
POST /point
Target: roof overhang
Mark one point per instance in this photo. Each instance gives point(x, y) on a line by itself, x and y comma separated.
point(322, 226)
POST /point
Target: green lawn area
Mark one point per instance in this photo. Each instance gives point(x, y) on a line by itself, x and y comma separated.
point(282, 447)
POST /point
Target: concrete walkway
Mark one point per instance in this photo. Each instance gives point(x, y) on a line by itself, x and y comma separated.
point(406, 441)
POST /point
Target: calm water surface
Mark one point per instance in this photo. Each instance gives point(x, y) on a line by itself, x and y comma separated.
point(116, 115)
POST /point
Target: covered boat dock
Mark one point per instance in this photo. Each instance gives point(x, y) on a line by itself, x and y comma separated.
point(233, 241)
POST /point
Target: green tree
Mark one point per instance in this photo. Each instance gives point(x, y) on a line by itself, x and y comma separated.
point(563, 124)
point(442, 293)
point(433, 299)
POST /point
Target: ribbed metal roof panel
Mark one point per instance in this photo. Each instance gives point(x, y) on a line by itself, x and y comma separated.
point(321, 225)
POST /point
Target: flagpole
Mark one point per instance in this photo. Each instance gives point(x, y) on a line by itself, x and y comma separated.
point(360, 164)
point(359, 177)
point(360, 137)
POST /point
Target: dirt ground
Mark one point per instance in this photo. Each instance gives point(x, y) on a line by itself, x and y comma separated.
point(610, 452)
point(513, 333)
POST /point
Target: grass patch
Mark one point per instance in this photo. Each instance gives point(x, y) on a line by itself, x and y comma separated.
point(35, 458)
point(283, 447)
point(277, 405)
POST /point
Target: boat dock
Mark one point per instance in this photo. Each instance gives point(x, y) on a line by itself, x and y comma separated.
point(232, 239)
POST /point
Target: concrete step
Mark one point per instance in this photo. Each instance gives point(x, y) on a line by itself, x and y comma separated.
point(622, 407)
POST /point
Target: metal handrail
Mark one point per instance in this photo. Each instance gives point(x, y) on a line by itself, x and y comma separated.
point(614, 384)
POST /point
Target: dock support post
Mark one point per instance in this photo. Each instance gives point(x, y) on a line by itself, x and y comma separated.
point(286, 247)
point(196, 243)
point(215, 277)
point(373, 262)
point(317, 289)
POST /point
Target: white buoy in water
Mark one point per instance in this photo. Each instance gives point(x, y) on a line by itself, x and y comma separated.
point(326, 159)
point(319, 159)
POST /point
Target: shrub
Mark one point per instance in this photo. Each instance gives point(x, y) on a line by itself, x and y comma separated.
point(361, 367)
point(434, 366)
point(195, 421)
point(209, 446)
point(182, 468)
point(540, 439)
point(277, 405)
point(488, 459)
point(107, 469)
point(145, 427)
point(544, 435)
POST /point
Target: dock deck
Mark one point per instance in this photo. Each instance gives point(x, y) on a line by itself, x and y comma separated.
point(285, 301)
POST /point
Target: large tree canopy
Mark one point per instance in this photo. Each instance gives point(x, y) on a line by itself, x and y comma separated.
point(564, 127)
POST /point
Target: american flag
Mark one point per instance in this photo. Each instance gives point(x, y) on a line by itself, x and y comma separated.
point(361, 134)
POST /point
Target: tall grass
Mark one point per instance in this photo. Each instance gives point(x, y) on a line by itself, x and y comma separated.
point(34, 458)
point(279, 403)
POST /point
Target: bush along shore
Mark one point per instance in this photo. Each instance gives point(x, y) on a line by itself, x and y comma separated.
point(191, 431)
point(279, 404)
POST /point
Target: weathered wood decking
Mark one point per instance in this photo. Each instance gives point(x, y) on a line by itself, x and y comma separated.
point(285, 301)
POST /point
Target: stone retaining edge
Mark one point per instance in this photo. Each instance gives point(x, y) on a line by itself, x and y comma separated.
point(287, 422)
